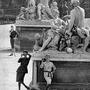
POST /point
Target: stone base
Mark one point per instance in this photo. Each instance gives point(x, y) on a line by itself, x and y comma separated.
point(62, 56)
point(72, 70)
point(27, 30)
point(66, 86)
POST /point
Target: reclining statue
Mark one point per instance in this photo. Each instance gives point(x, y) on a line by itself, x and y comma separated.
point(53, 36)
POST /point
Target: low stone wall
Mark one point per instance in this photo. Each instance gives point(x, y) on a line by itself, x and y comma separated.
point(27, 31)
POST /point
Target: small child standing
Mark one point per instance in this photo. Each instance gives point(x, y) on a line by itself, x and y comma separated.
point(13, 35)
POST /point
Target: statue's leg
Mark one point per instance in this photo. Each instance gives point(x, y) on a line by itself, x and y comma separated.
point(54, 43)
point(48, 10)
point(39, 11)
point(56, 39)
point(87, 39)
point(27, 15)
point(36, 47)
point(46, 42)
point(80, 33)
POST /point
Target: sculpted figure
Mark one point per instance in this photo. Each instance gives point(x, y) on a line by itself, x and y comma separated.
point(87, 39)
point(31, 3)
point(59, 26)
point(44, 7)
point(53, 36)
point(54, 7)
point(64, 9)
point(77, 20)
point(22, 15)
point(30, 10)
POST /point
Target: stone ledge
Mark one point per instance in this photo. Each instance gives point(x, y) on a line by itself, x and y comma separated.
point(33, 23)
point(62, 56)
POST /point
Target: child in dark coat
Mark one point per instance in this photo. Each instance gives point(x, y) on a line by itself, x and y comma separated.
point(22, 69)
point(13, 36)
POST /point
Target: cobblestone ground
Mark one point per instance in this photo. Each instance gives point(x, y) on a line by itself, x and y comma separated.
point(8, 64)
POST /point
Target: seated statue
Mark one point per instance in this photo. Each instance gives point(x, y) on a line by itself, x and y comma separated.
point(44, 10)
point(53, 8)
point(22, 15)
point(30, 10)
point(45, 42)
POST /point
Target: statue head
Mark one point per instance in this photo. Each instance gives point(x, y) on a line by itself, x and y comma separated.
point(56, 13)
point(37, 36)
point(54, 3)
point(23, 9)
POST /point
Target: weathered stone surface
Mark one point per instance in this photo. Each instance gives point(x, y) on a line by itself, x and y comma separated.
point(27, 31)
point(33, 23)
point(62, 56)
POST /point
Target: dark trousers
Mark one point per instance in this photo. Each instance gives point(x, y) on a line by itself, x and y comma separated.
point(12, 42)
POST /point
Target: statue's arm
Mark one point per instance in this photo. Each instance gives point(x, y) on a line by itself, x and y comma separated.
point(63, 23)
